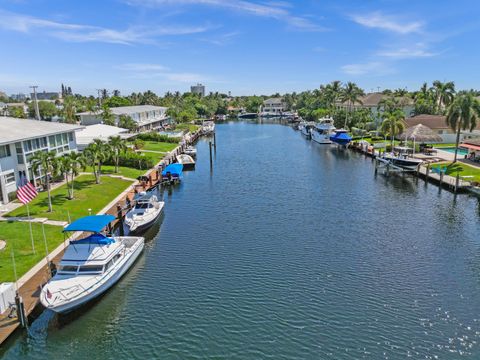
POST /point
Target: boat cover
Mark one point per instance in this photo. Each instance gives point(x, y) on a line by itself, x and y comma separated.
point(341, 138)
point(97, 238)
point(92, 223)
point(175, 169)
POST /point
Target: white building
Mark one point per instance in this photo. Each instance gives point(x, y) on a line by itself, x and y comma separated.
point(147, 117)
point(20, 139)
point(198, 89)
point(273, 107)
point(86, 135)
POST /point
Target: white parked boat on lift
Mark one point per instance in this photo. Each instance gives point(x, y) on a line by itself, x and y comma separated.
point(322, 131)
point(186, 160)
point(400, 158)
point(190, 150)
point(146, 211)
point(208, 127)
point(90, 266)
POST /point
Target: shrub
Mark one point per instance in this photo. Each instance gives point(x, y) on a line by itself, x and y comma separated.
point(134, 160)
point(154, 136)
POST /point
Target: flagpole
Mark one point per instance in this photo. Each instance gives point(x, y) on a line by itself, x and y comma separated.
point(31, 232)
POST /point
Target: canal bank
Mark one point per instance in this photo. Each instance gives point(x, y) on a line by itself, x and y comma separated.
point(287, 249)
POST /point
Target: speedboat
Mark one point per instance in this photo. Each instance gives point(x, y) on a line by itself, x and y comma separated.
point(145, 212)
point(186, 160)
point(306, 129)
point(341, 137)
point(401, 158)
point(322, 131)
point(208, 127)
point(89, 266)
point(190, 150)
point(247, 115)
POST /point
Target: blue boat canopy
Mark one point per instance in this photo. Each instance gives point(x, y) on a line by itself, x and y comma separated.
point(99, 239)
point(92, 223)
point(175, 169)
point(341, 138)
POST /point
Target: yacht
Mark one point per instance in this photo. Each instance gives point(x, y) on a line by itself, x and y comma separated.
point(208, 127)
point(89, 266)
point(306, 129)
point(145, 212)
point(340, 137)
point(323, 130)
point(191, 151)
point(186, 160)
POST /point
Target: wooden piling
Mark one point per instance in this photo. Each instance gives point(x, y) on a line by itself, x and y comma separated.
point(210, 147)
point(120, 219)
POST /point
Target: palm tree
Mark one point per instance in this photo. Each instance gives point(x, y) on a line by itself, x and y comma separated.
point(96, 154)
point(351, 94)
point(46, 163)
point(463, 114)
point(107, 116)
point(69, 110)
point(393, 124)
point(444, 94)
point(69, 165)
point(118, 146)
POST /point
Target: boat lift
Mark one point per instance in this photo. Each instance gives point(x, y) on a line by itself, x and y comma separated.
point(388, 166)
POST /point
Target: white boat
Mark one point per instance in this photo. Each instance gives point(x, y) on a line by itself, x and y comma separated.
point(90, 266)
point(191, 151)
point(306, 129)
point(208, 127)
point(186, 160)
point(322, 131)
point(145, 212)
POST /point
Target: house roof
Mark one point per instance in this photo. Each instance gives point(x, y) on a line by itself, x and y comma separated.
point(432, 121)
point(372, 100)
point(97, 131)
point(13, 129)
point(475, 141)
point(272, 101)
point(128, 110)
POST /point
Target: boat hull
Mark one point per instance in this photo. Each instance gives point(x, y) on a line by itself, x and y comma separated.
point(321, 139)
point(146, 225)
point(82, 300)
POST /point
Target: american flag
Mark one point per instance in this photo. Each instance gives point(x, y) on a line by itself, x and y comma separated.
point(26, 191)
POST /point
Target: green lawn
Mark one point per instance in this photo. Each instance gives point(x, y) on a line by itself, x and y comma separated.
point(190, 127)
point(463, 169)
point(17, 236)
point(88, 195)
point(442, 145)
point(122, 170)
point(159, 146)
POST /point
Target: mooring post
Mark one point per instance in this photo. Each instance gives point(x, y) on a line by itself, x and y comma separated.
point(22, 317)
point(210, 146)
point(427, 172)
point(214, 141)
point(120, 219)
point(441, 178)
point(388, 169)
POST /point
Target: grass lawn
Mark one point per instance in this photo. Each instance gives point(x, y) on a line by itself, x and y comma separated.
point(155, 157)
point(17, 236)
point(159, 146)
point(443, 145)
point(190, 127)
point(88, 195)
point(463, 169)
point(122, 170)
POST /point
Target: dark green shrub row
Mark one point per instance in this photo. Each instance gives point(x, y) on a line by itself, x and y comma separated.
point(154, 136)
point(133, 160)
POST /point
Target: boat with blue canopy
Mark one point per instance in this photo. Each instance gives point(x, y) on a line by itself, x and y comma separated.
point(90, 265)
point(341, 137)
point(172, 173)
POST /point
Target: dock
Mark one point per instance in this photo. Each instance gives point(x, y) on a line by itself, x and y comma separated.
point(29, 285)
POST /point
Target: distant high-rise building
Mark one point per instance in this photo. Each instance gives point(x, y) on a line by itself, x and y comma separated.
point(19, 97)
point(46, 95)
point(198, 89)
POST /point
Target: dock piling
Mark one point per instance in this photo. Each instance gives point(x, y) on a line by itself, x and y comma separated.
point(22, 317)
point(210, 146)
point(120, 219)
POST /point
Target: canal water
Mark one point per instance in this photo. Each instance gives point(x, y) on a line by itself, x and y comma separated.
point(287, 250)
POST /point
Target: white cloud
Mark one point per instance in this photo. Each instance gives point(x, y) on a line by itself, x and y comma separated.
point(88, 33)
point(149, 71)
point(370, 68)
point(274, 10)
point(405, 53)
point(378, 20)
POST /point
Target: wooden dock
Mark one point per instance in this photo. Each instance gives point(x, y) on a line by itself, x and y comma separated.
point(29, 289)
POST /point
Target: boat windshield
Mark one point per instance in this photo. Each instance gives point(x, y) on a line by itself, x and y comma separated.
point(68, 269)
point(143, 206)
point(90, 269)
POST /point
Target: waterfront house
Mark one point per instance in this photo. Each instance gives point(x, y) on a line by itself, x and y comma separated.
point(20, 139)
point(273, 106)
point(147, 117)
point(86, 135)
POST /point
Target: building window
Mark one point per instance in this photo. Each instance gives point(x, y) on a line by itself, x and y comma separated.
point(51, 140)
point(70, 136)
point(10, 178)
point(5, 151)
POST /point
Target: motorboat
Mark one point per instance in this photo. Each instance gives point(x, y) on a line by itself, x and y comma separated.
point(145, 212)
point(340, 137)
point(172, 173)
point(208, 127)
point(306, 129)
point(323, 130)
point(247, 115)
point(89, 266)
point(191, 151)
point(401, 157)
point(186, 160)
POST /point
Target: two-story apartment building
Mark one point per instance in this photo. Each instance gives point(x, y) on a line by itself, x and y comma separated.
point(147, 117)
point(20, 139)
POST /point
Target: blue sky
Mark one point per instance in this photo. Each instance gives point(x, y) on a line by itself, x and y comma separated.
point(246, 47)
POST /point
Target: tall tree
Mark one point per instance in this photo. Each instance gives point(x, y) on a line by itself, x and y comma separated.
point(444, 94)
point(107, 116)
point(96, 154)
point(69, 110)
point(393, 124)
point(118, 147)
point(46, 163)
point(463, 114)
point(351, 94)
